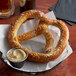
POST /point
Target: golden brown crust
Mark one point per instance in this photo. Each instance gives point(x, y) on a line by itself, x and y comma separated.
point(38, 31)
point(13, 39)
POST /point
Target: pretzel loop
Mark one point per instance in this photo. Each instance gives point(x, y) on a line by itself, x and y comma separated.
point(49, 54)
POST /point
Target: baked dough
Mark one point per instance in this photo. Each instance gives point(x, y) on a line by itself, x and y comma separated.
point(49, 54)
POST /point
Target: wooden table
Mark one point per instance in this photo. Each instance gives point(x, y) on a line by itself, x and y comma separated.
point(67, 68)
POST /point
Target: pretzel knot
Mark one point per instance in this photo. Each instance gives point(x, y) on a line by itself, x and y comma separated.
point(50, 53)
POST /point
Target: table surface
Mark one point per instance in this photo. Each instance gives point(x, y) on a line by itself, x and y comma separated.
point(67, 68)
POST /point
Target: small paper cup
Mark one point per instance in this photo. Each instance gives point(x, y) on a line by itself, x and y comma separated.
point(17, 64)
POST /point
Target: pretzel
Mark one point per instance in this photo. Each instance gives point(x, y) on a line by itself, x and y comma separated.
point(49, 54)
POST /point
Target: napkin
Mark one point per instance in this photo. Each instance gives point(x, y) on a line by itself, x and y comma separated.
point(37, 44)
point(65, 9)
point(53, 8)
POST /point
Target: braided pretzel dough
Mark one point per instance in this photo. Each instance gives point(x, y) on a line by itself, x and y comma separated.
point(14, 40)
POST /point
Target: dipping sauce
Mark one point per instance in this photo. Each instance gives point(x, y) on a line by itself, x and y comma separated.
point(16, 55)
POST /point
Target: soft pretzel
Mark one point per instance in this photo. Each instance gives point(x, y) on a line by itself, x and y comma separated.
point(13, 39)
